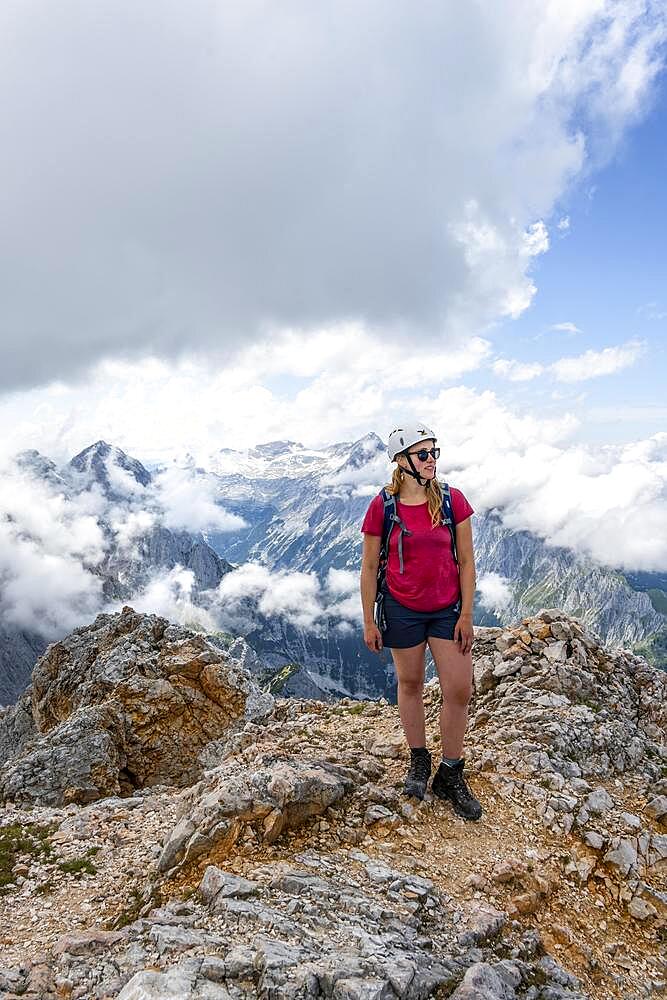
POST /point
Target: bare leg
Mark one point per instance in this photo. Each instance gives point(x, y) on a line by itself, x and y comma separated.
point(455, 676)
point(409, 664)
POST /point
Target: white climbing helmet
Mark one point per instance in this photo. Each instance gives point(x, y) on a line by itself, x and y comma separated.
point(404, 437)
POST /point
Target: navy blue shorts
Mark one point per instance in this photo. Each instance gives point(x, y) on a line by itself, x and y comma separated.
point(406, 627)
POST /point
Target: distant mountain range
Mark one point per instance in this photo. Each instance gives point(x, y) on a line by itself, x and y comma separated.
point(302, 510)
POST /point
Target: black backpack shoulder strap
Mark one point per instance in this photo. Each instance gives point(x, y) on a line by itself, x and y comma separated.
point(389, 502)
point(448, 516)
point(390, 519)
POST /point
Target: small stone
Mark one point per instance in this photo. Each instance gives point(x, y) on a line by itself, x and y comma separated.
point(484, 922)
point(623, 857)
point(556, 652)
point(599, 801)
point(641, 909)
point(657, 807)
point(240, 962)
point(89, 942)
point(218, 882)
point(378, 814)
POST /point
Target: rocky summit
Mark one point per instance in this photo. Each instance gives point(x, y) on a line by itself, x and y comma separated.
point(168, 830)
point(122, 704)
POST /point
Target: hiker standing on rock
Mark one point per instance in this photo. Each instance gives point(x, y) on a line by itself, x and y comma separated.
point(417, 588)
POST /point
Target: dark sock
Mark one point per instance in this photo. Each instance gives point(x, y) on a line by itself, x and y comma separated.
point(450, 761)
point(418, 751)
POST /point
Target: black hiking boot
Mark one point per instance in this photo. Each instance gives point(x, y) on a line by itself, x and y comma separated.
point(418, 774)
point(450, 784)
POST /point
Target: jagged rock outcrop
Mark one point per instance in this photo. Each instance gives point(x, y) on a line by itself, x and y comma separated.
point(127, 702)
point(294, 866)
point(276, 796)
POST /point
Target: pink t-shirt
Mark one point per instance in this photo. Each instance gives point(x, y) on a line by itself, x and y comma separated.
point(430, 578)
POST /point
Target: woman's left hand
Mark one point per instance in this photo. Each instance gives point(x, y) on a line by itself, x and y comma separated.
point(464, 633)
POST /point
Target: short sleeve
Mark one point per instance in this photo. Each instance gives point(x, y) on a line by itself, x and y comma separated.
point(374, 519)
point(460, 506)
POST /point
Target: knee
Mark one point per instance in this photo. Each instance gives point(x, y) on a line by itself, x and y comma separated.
point(458, 695)
point(410, 687)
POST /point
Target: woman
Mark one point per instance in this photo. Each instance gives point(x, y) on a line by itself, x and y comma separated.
point(427, 600)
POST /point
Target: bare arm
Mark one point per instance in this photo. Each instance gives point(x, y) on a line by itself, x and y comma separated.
point(468, 579)
point(370, 560)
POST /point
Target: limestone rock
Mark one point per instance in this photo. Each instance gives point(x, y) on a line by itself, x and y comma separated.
point(483, 981)
point(126, 702)
point(484, 922)
point(623, 856)
point(599, 801)
point(641, 909)
point(657, 807)
point(287, 792)
point(217, 882)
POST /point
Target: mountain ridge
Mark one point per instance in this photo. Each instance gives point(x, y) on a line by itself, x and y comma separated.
point(303, 516)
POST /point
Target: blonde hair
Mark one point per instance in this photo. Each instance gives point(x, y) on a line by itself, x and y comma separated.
point(433, 494)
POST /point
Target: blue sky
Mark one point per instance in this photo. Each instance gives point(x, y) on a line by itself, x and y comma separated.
point(607, 275)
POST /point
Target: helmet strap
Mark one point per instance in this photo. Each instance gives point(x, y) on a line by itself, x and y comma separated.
point(412, 471)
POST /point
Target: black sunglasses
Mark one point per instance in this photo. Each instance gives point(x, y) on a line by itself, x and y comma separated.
point(423, 453)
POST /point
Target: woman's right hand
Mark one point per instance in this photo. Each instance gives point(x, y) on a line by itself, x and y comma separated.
point(373, 637)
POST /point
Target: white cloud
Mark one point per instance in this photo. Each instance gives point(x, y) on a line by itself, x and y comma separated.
point(517, 371)
point(52, 544)
point(295, 596)
point(593, 364)
point(262, 159)
point(343, 587)
point(170, 594)
point(48, 549)
point(187, 501)
point(590, 364)
point(342, 582)
point(495, 592)
point(122, 481)
point(564, 223)
point(565, 328)
point(651, 311)
point(130, 525)
point(497, 262)
point(299, 598)
point(535, 240)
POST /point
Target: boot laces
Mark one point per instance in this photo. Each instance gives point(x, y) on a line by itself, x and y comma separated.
point(420, 768)
point(460, 785)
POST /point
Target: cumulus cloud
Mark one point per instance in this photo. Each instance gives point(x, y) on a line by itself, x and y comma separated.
point(590, 364)
point(196, 176)
point(53, 541)
point(294, 596)
point(344, 603)
point(300, 598)
point(170, 595)
point(516, 371)
point(565, 328)
point(187, 502)
point(130, 525)
point(494, 592)
point(593, 364)
point(48, 552)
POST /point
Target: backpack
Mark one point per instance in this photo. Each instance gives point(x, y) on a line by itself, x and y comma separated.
point(391, 518)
